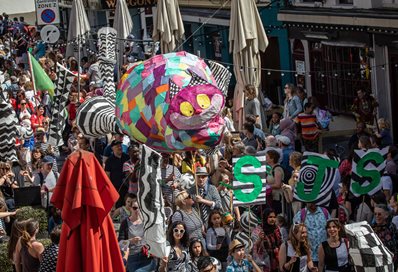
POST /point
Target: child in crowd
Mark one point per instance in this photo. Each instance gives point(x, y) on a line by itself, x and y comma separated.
point(274, 126)
point(121, 213)
point(309, 128)
point(217, 237)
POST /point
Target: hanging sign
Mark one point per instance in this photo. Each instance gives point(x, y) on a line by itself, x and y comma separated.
point(47, 12)
point(249, 183)
point(316, 178)
point(367, 168)
point(111, 4)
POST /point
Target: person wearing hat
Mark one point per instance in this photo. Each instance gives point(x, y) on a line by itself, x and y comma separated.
point(109, 150)
point(114, 170)
point(49, 180)
point(239, 263)
point(205, 194)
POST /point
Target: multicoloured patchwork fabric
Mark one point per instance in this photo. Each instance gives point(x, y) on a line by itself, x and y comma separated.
point(171, 102)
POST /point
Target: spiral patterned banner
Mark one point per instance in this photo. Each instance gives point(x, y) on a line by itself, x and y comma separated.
point(316, 178)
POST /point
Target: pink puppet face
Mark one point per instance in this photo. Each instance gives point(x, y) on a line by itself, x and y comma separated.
point(195, 106)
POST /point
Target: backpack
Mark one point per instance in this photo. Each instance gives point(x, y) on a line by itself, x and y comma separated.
point(303, 214)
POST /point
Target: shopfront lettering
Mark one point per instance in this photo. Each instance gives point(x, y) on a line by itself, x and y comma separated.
point(111, 4)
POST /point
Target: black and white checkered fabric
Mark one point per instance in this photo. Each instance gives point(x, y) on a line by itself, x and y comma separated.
point(222, 76)
point(367, 251)
point(173, 89)
point(196, 80)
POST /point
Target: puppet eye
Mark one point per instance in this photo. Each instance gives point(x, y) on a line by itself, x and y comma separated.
point(203, 101)
point(186, 109)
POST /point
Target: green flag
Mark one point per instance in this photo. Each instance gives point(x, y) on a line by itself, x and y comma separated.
point(41, 81)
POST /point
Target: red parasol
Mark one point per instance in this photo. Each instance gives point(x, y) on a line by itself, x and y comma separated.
point(86, 195)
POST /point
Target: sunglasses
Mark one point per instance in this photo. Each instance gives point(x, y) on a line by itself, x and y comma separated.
point(180, 231)
point(23, 103)
point(134, 208)
point(189, 197)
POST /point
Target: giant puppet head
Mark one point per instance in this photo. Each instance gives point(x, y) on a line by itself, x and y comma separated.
point(173, 102)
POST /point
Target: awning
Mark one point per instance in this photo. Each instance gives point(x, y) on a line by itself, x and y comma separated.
point(17, 7)
point(368, 18)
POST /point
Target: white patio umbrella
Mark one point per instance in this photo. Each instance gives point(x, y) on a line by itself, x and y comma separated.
point(78, 31)
point(123, 25)
point(78, 28)
point(169, 28)
point(246, 38)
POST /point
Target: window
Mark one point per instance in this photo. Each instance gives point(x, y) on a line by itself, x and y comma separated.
point(337, 73)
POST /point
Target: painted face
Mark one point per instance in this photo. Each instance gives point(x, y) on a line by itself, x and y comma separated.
point(194, 107)
point(197, 249)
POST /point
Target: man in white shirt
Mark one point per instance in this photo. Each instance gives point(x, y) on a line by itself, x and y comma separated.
point(50, 180)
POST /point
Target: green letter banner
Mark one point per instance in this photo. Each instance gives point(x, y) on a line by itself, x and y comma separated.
point(316, 178)
point(367, 169)
point(249, 180)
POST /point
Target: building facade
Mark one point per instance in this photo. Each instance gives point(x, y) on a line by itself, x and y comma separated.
point(341, 46)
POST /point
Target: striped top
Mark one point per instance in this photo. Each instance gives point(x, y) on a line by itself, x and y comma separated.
point(309, 127)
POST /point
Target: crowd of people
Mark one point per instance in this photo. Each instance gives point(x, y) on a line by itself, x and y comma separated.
point(202, 221)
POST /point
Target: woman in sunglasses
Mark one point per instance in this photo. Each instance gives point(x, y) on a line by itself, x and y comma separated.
point(188, 215)
point(178, 259)
point(333, 253)
point(132, 230)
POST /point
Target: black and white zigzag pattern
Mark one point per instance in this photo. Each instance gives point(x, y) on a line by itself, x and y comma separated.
point(96, 116)
point(366, 249)
point(59, 115)
point(151, 203)
point(107, 60)
point(222, 76)
point(308, 174)
point(369, 166)
point(247, 187)
point(8, 131)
